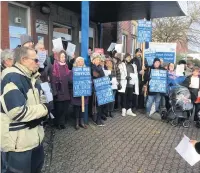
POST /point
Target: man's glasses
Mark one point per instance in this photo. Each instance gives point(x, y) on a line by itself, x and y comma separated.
point(34, 59)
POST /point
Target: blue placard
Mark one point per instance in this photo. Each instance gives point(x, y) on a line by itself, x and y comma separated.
point(82, 82)
point(158, 82)
point(144, 31)
point(168, 57)
point(150, 56)
point(103, 90)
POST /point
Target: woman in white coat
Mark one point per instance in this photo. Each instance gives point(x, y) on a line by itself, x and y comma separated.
point(129, 84)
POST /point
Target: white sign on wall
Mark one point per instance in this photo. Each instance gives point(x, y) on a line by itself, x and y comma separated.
point(65, 37)
point(41, 27)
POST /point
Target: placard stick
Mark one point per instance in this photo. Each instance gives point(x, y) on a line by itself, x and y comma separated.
point(143, 48)
point(83, 103)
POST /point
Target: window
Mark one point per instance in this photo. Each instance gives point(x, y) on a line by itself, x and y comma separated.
point(124, 43)
point(19, 22)
point(62, 31)
point(133, 45)
point(133, 29)
point(91, 38)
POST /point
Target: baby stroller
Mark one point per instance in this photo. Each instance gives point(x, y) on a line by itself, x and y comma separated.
point(181, 106)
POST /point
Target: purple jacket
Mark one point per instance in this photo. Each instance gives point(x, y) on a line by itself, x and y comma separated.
point(60, 85)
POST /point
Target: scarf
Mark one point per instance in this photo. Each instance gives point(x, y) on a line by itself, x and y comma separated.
point(56, 70)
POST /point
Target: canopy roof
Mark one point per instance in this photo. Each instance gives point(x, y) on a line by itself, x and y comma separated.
point(113, 11)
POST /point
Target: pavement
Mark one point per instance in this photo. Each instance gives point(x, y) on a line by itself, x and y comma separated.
point(125, 145)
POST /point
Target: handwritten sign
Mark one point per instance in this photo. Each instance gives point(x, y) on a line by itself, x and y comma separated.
point(71, 49)
point(158, 82)
point(82, 82)
point(149, 56)
point(42, 55)
point(118, 48)
point(99, 50)
point(144, 31)
point(103, 90)
point(111, 47)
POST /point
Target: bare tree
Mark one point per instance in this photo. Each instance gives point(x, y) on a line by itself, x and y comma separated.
point(185, 29)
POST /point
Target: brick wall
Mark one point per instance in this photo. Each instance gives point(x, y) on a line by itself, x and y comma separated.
point(4, 29)
point(109, 34)
point(125, 28)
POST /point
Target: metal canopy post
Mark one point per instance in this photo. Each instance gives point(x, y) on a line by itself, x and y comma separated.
point(85, 30)
point(85, 41)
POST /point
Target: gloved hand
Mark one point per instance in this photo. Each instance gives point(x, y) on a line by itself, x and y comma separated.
point(128, 78)
point(48, 106)
point(119, 87)
point(34, 123)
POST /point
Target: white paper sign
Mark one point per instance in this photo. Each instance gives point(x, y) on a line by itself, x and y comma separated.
point(114, 83)
point(111, 47)
point(57, 44)
point(71, 49)
point(118, 48)
point(107, 72)
point(47, 91)
point(187, 151)
point(133, 78)
point(42, 55)
point(180, 70)
point(194, 82)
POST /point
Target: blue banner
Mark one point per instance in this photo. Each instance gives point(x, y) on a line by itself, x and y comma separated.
point(158, 82)
point(144, 31)
point(103, 90)
point(82, 85)
point(168, 57)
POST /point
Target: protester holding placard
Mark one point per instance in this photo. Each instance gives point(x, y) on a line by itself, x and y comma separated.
point(97, 72)
point(77, 102)
point(129, 83)
point(115, 80)
point(61, 78)
point(138, 100)
point(153, 96)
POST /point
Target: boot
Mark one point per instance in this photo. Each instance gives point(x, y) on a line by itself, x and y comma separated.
point(103, 117)
point(129, 112)
point(82, 124)
point(77, 124)
point(111, 115)
point(123, 112)
point(106, 114)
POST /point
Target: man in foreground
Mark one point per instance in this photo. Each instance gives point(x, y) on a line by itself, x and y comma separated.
point(23, 108)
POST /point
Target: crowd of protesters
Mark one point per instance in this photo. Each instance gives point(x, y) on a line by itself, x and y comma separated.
point(24, 107)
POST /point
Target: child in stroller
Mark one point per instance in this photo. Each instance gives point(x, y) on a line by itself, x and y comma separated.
point(181, 106)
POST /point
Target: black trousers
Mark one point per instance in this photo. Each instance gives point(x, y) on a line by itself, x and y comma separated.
point(197, 109)
point(127, 98)
point(25, 162)
point(61, 108)
point(78, 112)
